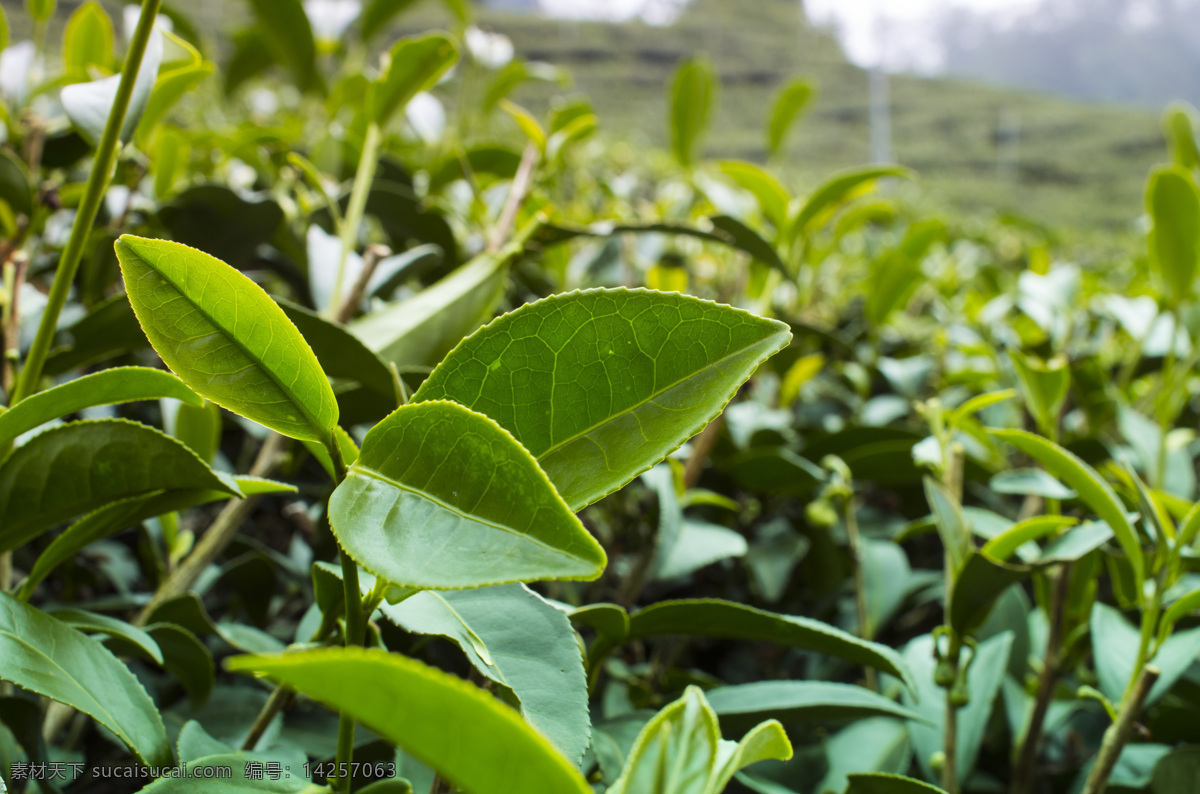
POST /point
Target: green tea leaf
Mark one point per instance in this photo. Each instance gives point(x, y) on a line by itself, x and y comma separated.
point(601, 385)
point(839, 188)
point(742, 706)
point(88, 104)
point(378, 13)
point(88, 40)
point(46, 656)
point(1180, 128)
point(418, 331)
point(416, 65)
point(226, 338)
point(1173, 201)
point(512, 636)
point(791, 101)
point(443, 498)
point(709, 617)
point(170, 87)
point(441, 716)
point(284, 27)
point(197, 426)
point(888, 784)
point(675, 753)
point(41, 10)
point(771, 196)
point(186, 658)
point(693, 95)
point(1006, 544)
point(1094, 491)
point(119, 515)
point(95, 623)
point(107, 387)
point(1044, 386)
point(765, 742)
point(77, 467)
point(1114, 647)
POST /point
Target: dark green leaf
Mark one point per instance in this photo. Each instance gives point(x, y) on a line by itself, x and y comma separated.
point(186, 658)
point(69, 470)
point(128, 512)
point(284, 27)
point(48, 657)
point(743, 706)
point(95, 623)
point(888, 784)
point(107, 387)
point(715, 618)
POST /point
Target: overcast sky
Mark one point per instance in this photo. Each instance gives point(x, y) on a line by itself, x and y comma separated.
point(872, 31)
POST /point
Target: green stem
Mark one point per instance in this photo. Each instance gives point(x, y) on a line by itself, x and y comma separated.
point(1118, 733)
point(1149, 624)
point(860, 584)
point(348, 235)
point(85, 217)
point(354, 635)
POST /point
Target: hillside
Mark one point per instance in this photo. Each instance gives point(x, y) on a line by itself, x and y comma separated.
point(1081, 165)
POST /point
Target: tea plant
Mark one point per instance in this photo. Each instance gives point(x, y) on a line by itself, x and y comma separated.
point(494, 458)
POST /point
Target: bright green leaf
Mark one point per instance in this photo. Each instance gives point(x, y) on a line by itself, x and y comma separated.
point(771, 196)
point(790, 102)
point(693, 95)
point(469, 737)
point(226, 338)
point(41, 10)
point(416, 64)
point(1173, 202)
point(1094, 491)
point(88, 39)
point(835, 191)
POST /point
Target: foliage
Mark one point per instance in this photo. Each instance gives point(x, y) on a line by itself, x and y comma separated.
point(347, 436)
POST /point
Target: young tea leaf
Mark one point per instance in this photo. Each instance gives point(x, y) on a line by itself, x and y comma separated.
point(1173, 201)
point(415, 65)
point(789, 104)
point(225, 338)
point(693, 94)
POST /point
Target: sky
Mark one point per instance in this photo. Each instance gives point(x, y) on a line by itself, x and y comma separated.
point(891, 33)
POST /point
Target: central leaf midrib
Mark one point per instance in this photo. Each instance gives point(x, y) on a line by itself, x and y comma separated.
point(648, 398)
point(312, 420)
point(461, 513)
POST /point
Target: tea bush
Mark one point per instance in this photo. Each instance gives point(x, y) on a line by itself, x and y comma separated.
point(543, 468)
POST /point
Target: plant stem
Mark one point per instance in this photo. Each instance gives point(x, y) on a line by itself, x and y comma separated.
point(865, 630)
point(1118, 733)
point(950, 745)
point(89, 206)
point(348, 233)
point(274, 703)
point(371, 258)
point(218, 536)
point(1149, 623)
point(1028, 752)
point(516, 196)
point(354, 633)
point(702, 446)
